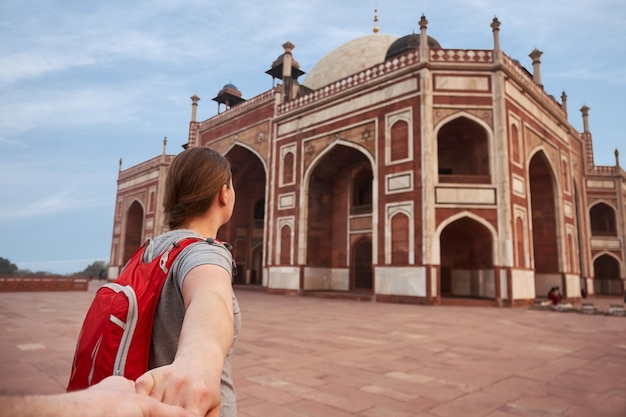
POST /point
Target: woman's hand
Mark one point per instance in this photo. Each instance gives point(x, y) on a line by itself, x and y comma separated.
point(182, 386)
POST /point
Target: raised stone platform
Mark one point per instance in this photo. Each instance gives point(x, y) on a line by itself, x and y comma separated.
point(314, 357)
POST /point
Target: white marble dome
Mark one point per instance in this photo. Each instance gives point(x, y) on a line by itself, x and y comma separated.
point(349, 58)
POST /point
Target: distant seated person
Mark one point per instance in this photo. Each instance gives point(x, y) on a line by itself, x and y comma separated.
point(554, 295)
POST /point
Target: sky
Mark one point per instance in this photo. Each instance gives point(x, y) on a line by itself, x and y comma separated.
point(83, 84)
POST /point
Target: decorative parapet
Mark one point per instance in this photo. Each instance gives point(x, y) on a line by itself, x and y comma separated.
point(379, 70)
point(351, 81)
point(600, 169)
point(531, 86)
point(238, 109)
point(143, 167)
point(466, 56)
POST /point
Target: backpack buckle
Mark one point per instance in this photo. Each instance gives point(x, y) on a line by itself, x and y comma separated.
point(163, 261)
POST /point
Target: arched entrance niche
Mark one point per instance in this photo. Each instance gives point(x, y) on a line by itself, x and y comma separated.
point(245, 229)
point(339, 222)
point(134, 230)
point(543, 215)
point(467, 267)
point(607, 277)
point(463, 152)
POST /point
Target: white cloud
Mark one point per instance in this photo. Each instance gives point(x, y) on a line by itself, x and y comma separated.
point(49, 205)
point(23, 65)
point(37, 208)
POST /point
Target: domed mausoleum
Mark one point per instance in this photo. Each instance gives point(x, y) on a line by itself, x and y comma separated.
point(398, 170)
point(348, 59)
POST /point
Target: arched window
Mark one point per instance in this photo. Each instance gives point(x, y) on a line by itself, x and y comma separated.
point(515, 143)
point(362, 192)
point(400, 239)
point(602, 220)
point(570, 252)
point(565, 175)
point(520, 244)
point(463, 152)
point(399, 141)
point(288, 168)
point(259, 212)
point(152, 202)
point(134, 230)
point(285, 245)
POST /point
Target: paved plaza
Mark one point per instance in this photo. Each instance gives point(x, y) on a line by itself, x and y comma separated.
point(312, 357)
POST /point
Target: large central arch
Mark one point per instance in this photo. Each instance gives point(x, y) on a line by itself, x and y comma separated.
point(544, 224)
point(245, 231)
point(338, 249)
point(133, 231)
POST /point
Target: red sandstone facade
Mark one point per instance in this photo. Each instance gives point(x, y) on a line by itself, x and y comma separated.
point(430, 176)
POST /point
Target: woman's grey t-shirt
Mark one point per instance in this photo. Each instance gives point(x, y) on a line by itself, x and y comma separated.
point(170, 310)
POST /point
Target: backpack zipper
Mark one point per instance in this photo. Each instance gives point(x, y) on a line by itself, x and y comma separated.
point(94, 354)
point(129, 326)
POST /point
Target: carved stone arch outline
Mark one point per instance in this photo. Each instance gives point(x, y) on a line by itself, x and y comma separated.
point(612, 228)
point(436, 241)
point(553, 170)
point(132, 234)
point(405, 208)
point(521, 215)
point(468, 115)
point(515, 126)
point(284, 151)
point(621, 263)
point(571, 249)
point(490, 135)
point(558, 202)
point(304, 188)
point(606, 252)
point(405, 116)
point(281, 223)
point(603, 201)
point(252, 150)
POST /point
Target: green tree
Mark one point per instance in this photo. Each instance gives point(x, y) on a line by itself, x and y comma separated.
point(6, 267)
point(97, 269)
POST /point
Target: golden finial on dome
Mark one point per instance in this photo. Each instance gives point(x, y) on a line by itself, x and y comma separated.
point(375, 20)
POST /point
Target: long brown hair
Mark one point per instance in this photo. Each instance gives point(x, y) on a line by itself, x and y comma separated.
point(194, 178)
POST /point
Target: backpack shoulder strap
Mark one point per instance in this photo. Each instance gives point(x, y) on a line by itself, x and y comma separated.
point(169, 255)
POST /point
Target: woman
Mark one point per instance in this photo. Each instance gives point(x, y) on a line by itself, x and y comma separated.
point(197, 319)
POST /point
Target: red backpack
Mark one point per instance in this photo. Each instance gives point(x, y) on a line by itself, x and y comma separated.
point(116, 333)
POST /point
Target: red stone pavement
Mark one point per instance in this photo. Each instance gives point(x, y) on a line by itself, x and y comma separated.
point(313, 357)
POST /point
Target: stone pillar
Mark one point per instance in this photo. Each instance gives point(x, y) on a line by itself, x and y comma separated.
point(535, 55)
point(194, 107)
point(504, 258)
point(287, 64)
point(495, 26)
point(585, 112)
point(192, 138)
point(423, 40)
point(428, 179)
